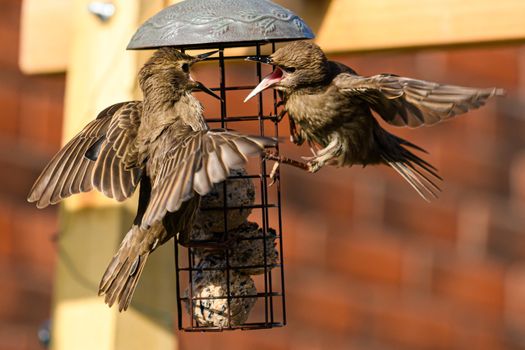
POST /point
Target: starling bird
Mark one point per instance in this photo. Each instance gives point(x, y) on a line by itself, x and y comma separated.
point(162, 142)
point(332, 106)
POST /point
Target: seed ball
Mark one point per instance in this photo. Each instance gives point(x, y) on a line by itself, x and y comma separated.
point(213, 284)
point(239, 193)
point(250, 252)
point(244, 251)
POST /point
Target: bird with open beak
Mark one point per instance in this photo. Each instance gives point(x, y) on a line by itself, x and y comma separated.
point(332, 107)
point(161, 142)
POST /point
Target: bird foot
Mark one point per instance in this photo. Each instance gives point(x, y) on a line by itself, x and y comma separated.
point(280, 116)
point(314, 166)
point(296, 138)
point(284, 160)
point(273, 173)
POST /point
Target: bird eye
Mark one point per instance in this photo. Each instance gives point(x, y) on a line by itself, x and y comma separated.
point(186, 68)
point(288, 69)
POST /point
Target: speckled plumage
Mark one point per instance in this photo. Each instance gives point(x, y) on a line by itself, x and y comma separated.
point(330, 107)
point(162, 142)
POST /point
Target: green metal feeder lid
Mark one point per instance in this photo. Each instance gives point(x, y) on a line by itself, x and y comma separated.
point(214, 23)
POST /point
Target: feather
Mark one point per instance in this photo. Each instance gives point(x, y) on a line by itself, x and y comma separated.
point(72, 170)
point(195, 164)
point(410, 102)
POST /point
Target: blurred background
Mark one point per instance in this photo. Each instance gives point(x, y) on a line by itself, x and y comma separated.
point(368, 264)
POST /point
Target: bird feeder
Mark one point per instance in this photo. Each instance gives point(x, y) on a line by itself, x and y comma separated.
point(240, 283)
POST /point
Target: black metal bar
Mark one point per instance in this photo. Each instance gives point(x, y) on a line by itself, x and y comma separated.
point(246, 326)
point(241, 119)
point(177, 282)
point(253, 296)
point(267, 209)
point(226, 58)
point(222, 69)
point(234, 88)
point(280, 224)
point(238, 177)
point(253, 206)
point(232, 267)
point(263, 186)
point(190, 284)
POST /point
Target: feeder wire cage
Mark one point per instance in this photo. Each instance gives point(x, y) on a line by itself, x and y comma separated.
point(254, 26)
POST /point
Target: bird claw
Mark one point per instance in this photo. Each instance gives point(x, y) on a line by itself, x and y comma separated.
point(280, 103)
point(273, 173)
point(297, 139)
point(314, 166)
point(280, 116)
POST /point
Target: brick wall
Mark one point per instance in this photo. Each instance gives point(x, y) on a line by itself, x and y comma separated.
point(369, 265)
point(30, 129)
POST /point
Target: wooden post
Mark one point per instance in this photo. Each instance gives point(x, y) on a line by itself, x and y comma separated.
point(367, 25)
point(101, 72)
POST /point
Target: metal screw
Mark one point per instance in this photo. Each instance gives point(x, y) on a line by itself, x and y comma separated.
point(103, 10)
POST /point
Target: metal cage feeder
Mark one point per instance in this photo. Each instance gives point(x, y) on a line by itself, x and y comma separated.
point(227, 289)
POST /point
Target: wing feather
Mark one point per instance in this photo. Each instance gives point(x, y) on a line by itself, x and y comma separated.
point(116, 172)
point(70, 171)
point(194, 164)
point(410, 102)
point(56, 181)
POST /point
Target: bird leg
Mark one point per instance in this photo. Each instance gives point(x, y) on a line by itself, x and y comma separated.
point(281, 115)
point(296, 136)
point(284, 160)
point(323, 156)
point(280, 104)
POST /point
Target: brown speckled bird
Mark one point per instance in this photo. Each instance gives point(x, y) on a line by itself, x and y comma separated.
point(332, 106)
point(162, 142)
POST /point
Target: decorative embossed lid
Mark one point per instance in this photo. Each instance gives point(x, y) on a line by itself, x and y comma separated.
point(209, 23)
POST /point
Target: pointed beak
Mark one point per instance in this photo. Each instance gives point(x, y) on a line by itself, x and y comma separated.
point(270, 80)
point(262, 59)
point(201, 87)
point(203, 56)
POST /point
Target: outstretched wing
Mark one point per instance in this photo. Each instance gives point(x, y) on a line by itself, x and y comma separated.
point(71, 170)
point(194, 164)
point(410, 102)
point(116, 174)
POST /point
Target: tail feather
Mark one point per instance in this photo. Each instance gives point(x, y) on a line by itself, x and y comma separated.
point(131, 282)
point(123, 272)
point(424, 186)
point(420, 174)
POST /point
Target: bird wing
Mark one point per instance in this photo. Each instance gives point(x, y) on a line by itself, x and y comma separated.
point(70, 170)
point(194, 164)
point(409, 102)
point(116, 174)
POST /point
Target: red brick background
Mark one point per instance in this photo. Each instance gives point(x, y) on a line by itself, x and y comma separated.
point(30, 129)
point(369, 265)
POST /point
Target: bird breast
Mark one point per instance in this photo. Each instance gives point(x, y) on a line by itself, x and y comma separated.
point(189, 109)
point(318, 115)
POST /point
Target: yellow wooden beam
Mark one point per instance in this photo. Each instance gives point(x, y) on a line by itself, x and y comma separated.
point(365, 25)
point(81, 320)
point(100, 73)
point(45, 36)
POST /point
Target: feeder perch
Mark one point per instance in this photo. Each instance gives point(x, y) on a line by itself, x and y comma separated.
point(232, 277)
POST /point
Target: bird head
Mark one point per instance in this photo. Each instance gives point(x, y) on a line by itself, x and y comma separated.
point(299, 64)
point(170, 68)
